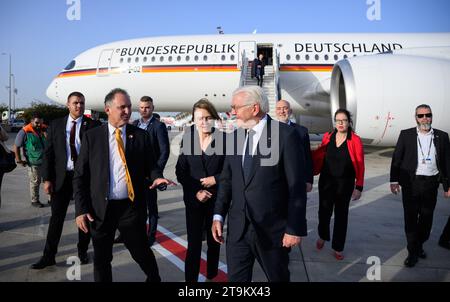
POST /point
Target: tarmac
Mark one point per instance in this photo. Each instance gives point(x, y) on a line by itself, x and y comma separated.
point(374, 250)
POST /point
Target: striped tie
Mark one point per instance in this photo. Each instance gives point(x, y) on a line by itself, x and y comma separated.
point(119, 140)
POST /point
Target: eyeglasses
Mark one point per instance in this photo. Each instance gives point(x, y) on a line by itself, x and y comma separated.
point(341, 121)
point(236, 108)
point(424, 114)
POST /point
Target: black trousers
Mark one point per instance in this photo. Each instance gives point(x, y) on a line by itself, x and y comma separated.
point(334, 194)
point(130, 220)
point(152, 208)
point(260, 80)
point(59, 203)
point(241, 257)
point(419, 200)
point(1, 179)
point(198, 220)
point(445, 236)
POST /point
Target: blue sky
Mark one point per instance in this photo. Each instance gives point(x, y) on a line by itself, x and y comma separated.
point(42, 40)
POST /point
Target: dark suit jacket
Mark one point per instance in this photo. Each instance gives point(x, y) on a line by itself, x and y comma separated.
point(159, 139)
point(55, 155)
point(404, 159)
point(274, 198)
point(256, 62)
point(303, 132)
point(91, 180)
point(190, 167)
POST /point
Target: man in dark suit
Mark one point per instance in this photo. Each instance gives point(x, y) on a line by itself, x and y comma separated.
point(419, 163)
point(114, 169)
point(61, 152)
point(159, 140)
point(258, 65)
point(283, 112)
point(262, 189)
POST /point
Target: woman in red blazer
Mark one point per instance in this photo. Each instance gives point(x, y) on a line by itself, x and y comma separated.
point(340, 162)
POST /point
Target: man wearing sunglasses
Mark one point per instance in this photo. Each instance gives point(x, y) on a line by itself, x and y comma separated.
point(419, 163)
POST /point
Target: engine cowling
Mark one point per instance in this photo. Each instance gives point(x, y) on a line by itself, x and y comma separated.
point(382, 92)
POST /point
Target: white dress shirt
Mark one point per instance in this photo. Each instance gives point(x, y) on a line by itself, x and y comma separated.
point(258, 128)
point(69, 124)
point(117, 175)
point(426, 154)
point(143, 125)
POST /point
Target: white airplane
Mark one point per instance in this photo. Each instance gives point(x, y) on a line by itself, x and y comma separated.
point(380, 78)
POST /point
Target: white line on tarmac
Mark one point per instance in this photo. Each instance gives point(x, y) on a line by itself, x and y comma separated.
point(183, 243)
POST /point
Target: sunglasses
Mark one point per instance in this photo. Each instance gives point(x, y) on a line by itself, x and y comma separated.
point(424, 114)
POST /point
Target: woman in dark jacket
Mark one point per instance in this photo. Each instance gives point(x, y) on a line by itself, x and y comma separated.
point(198, 169)
point(340, 162)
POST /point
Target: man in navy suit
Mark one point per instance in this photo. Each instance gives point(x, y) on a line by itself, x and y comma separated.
point(115, 167)
point(159, 140)
point(61, 152)
point(262, 190)
point(283, 112)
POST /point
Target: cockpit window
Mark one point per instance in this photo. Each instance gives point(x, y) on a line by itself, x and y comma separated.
point(70, 66)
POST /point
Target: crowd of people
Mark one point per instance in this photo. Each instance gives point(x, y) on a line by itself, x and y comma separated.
point(257, 178)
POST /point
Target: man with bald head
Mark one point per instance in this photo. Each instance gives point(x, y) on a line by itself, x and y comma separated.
point(283, 112)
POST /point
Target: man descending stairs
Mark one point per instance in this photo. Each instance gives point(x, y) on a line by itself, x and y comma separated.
point(268, 85)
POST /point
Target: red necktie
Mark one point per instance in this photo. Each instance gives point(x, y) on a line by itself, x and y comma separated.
point(73, 149)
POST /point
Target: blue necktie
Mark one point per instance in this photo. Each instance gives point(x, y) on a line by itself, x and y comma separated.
point(248, 158)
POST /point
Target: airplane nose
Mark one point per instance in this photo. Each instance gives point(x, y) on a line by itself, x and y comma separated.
point(52, 91)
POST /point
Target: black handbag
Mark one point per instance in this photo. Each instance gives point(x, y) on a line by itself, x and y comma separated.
point(7, 160)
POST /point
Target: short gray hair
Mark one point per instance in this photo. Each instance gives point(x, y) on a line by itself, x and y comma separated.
point(254, 94)
point(110, 96)
point(424, 106)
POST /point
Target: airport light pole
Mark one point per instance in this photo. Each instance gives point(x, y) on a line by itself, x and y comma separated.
point(14, 93)
point(10, 88)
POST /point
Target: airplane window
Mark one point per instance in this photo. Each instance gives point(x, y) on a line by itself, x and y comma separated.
point(145, 59)
point(179, 58)
point(121, 60)
point(297, 57)
point(345, 56)
point(187, 58)
point(70, 65)
point(307, 57)
point(129, 60)
point(170, 58)
point(196, 58)
point(336, 57)
point(205, 57)
point(354, 55)
point(326, 57)
point(316, 57)
point(161, 58)
point(153, 59)
point(223, 57)
point(288, 57)
point(137, 59)
point(232, 57)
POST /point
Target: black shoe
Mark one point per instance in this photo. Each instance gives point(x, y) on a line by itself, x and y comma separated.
point(118, 239)
point(410, 261)
point(43, 263)
point(422, 254)
point(37, 204)
point(84, 258)
point(444, 244)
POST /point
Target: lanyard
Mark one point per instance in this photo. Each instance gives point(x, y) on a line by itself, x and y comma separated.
point(421, 151)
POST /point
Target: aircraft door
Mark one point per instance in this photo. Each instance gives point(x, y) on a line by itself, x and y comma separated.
point(104, 62)
point(249, 47)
